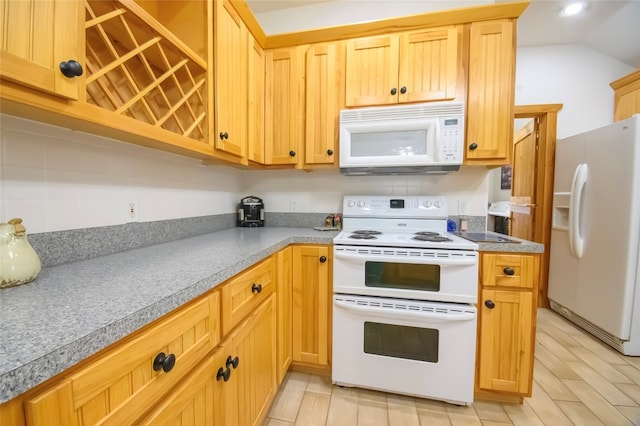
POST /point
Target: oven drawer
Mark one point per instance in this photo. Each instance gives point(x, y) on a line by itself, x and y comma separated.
point(509, 270)
point(426, 348)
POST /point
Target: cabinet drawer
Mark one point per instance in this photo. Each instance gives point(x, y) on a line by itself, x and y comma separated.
point(509, 270)
point(243, 293)
point(123, 383)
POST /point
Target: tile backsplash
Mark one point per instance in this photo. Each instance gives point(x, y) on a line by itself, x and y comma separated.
point(60, 179)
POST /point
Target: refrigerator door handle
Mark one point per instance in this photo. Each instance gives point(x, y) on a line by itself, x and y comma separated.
point(576, 241)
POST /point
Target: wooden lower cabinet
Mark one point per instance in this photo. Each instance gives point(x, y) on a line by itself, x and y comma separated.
point(507, 324)
point(129, 379)
point(312, 290)
point(249, 354)
point(284, 302)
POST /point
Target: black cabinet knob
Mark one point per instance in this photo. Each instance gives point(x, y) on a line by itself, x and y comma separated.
point(473, 146)
point(224, 135)
point(323, 259)
point(71, 68)
point(223, 374)
point(256, 288)
point(292, 153)
point(232, 362)
point(403, 90)
point(329, 152)
point(489, 304)
point(164, 362)
point(394, 91)
point(508, 271)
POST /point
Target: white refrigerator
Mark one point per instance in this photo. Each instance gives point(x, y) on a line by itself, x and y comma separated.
point(595, 235)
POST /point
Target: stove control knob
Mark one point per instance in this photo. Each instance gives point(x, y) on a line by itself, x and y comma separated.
point(438, 204)
point(360, 203)
point(428, 204)
point(351, 203)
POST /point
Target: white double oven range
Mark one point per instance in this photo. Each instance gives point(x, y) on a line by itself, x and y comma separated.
point(404, 289)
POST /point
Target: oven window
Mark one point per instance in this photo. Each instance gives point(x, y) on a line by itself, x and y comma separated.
point(406, 276)
point(401, 341)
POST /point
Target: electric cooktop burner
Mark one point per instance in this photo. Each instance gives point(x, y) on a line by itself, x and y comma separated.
point(427, 233)
point(363, 237)
point(431, 238)
point(366, 232)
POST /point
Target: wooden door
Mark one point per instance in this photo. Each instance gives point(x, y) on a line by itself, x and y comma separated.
point(372, 71)
point(284, 302)
point(428, 65)
point(35, 37)
point(284, 107)
point(523, 184)
point(324, 74)
point(311, 295)
point(231, 67)
point(256, 102)
point(490, 97)
point(506, 341)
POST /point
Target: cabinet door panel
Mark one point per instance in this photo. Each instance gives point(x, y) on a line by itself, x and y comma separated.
point(372, 71)
point(31, 50)
point(284, 110)
point(490, 92)
point(428, 65)
point(284, 301)
point(231, 81)
point(256, 102)
point(323, 76)
point(311, 307)
point(506, 341)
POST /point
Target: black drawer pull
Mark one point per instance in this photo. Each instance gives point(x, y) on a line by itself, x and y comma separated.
point(71, 68)
point(489, 304)
point(232, 362)
point(164, 362)
point(323, 259)
point(223, 374)
point(473, 146)
point(508, 271)
point(256, 288)
point(394, 91)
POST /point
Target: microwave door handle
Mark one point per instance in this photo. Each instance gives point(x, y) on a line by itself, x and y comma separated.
point(442, 261)
point(399, 314)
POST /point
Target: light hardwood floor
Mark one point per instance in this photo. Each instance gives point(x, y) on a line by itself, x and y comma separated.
point(577, 381)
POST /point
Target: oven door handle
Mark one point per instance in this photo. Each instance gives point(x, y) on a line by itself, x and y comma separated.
point(443, 261)
point(393, 314)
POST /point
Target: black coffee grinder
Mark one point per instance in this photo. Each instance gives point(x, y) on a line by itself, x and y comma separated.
point(251, 212)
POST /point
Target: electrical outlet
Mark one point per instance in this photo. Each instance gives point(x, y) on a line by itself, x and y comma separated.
point(462, 208)
point(293, 205)
point(132, 212)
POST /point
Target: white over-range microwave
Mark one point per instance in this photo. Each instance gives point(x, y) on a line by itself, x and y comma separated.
point(408, 139)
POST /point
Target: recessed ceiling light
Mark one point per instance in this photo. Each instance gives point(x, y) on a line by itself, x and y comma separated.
point(573, 8)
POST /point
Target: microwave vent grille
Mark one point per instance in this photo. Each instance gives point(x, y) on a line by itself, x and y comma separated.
point(416, 111)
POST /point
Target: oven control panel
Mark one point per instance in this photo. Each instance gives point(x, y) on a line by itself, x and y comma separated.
point(394, 206)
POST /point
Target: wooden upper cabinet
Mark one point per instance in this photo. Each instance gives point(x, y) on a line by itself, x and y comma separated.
point(284, 105)
point(325, 85)
point(35, 38)
point(627, 96)
point(418, 66)
point(256, 102)
point(490, 96)
point(231, 79)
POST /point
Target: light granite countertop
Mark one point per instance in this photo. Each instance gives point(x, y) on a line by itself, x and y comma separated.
point(74, 310)
point(522, 246)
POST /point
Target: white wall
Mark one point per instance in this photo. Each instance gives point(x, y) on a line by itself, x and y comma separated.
point(573, 75)
point(57, 179)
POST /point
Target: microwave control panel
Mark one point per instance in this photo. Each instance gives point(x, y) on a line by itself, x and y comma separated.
point(451, 139)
